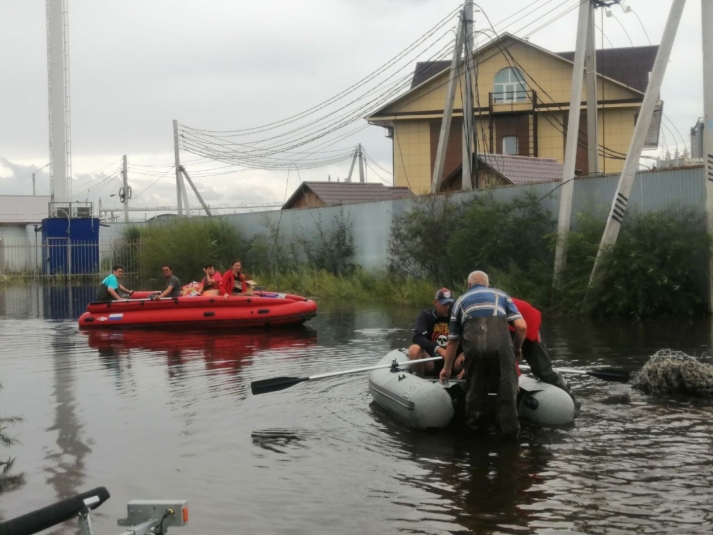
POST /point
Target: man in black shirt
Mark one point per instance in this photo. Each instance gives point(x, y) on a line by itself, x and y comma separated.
point(430, 336)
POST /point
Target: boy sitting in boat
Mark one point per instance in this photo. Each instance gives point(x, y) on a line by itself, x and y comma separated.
point(110, 286)
point(430, 336)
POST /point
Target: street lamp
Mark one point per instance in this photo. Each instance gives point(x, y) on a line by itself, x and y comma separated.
point(33, 178)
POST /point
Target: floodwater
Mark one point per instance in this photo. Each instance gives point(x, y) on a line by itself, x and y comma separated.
point(170, 415)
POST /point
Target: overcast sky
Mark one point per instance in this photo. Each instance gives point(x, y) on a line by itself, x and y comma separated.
point(234, 64)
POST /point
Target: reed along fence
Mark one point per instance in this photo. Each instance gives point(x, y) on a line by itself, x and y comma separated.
point(62, 258)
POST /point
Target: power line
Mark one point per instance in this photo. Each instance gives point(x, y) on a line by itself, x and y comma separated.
point(153, 183)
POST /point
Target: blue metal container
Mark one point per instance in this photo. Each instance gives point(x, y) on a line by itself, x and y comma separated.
point(70, 246)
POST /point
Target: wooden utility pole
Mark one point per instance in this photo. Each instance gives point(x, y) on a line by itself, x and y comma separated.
point(570, 154)
point(628, 174)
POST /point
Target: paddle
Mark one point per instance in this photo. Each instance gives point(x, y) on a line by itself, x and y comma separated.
point(280, 383)
point(606, 374)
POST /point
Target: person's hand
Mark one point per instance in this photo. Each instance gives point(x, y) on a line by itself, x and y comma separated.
point(461, 375)
point(445, 375)
point(226, 296)
point(460, 361)
point(518, 354)
point(131, 292)
point(242, 277)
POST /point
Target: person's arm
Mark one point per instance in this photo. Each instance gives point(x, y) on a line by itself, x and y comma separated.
point(243, 284)
point(516, 320)
point(520, 332)
point(113, 293)
point(165, 293)
point(226, 285)
point(420, 334)
point(454, 333)
point(448, 360)
point(125, 289)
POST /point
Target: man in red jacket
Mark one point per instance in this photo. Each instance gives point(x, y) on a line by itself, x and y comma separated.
point(533, 349)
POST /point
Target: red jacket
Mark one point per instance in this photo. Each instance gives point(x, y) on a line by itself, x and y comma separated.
point(532, 317)
point(226, 285)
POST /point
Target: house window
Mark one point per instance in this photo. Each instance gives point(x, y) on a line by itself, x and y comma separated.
point(509, 86)
point(510, 145)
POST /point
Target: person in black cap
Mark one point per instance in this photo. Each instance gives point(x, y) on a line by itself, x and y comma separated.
point(430, 336)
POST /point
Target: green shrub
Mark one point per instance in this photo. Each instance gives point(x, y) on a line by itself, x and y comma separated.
point(658, 266)
point(188, 245)
point(332, 250)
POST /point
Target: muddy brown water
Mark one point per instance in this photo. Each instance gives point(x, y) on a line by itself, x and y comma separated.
point(170, 415)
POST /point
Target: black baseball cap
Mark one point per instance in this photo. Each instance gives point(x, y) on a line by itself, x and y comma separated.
point(444, 296)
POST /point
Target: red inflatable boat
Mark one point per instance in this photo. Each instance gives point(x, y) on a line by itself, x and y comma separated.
point(262, 309)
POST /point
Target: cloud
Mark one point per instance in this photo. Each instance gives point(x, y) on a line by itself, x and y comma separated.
point(223, 65)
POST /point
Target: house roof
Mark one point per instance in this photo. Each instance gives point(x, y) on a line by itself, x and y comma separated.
point(426, 71)
point(20, 209)
point(336, 193)
point(524, 169)
point(517, 169)
point(630, 66)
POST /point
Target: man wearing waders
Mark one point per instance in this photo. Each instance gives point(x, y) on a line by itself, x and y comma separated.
point(479, 321)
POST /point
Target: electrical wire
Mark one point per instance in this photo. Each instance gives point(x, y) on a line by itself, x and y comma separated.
point(612, 15)
point(153, 183)
point(631, 10)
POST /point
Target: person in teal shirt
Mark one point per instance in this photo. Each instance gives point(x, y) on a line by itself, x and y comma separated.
point(110, 286)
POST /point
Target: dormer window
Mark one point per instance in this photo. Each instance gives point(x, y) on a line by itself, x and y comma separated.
point(509, 86)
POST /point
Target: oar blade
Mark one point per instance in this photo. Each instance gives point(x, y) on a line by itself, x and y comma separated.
point(275, 384)
point(610, 374)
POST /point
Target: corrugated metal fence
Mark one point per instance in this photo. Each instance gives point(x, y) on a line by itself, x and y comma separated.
point(371, 222)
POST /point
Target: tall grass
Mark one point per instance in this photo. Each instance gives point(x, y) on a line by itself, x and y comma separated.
point(358, 286)
point(187, 245)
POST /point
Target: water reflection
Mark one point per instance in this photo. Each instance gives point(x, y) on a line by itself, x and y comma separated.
point(66, 463)
point(222, 352)
point(485, 486)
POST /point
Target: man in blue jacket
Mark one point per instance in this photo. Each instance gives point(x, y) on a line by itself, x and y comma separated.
point(430, 336)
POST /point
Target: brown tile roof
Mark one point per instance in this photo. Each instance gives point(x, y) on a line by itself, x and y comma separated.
point(516, 169)
point(336, 193)
point(629, 66)
point(523, 169)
